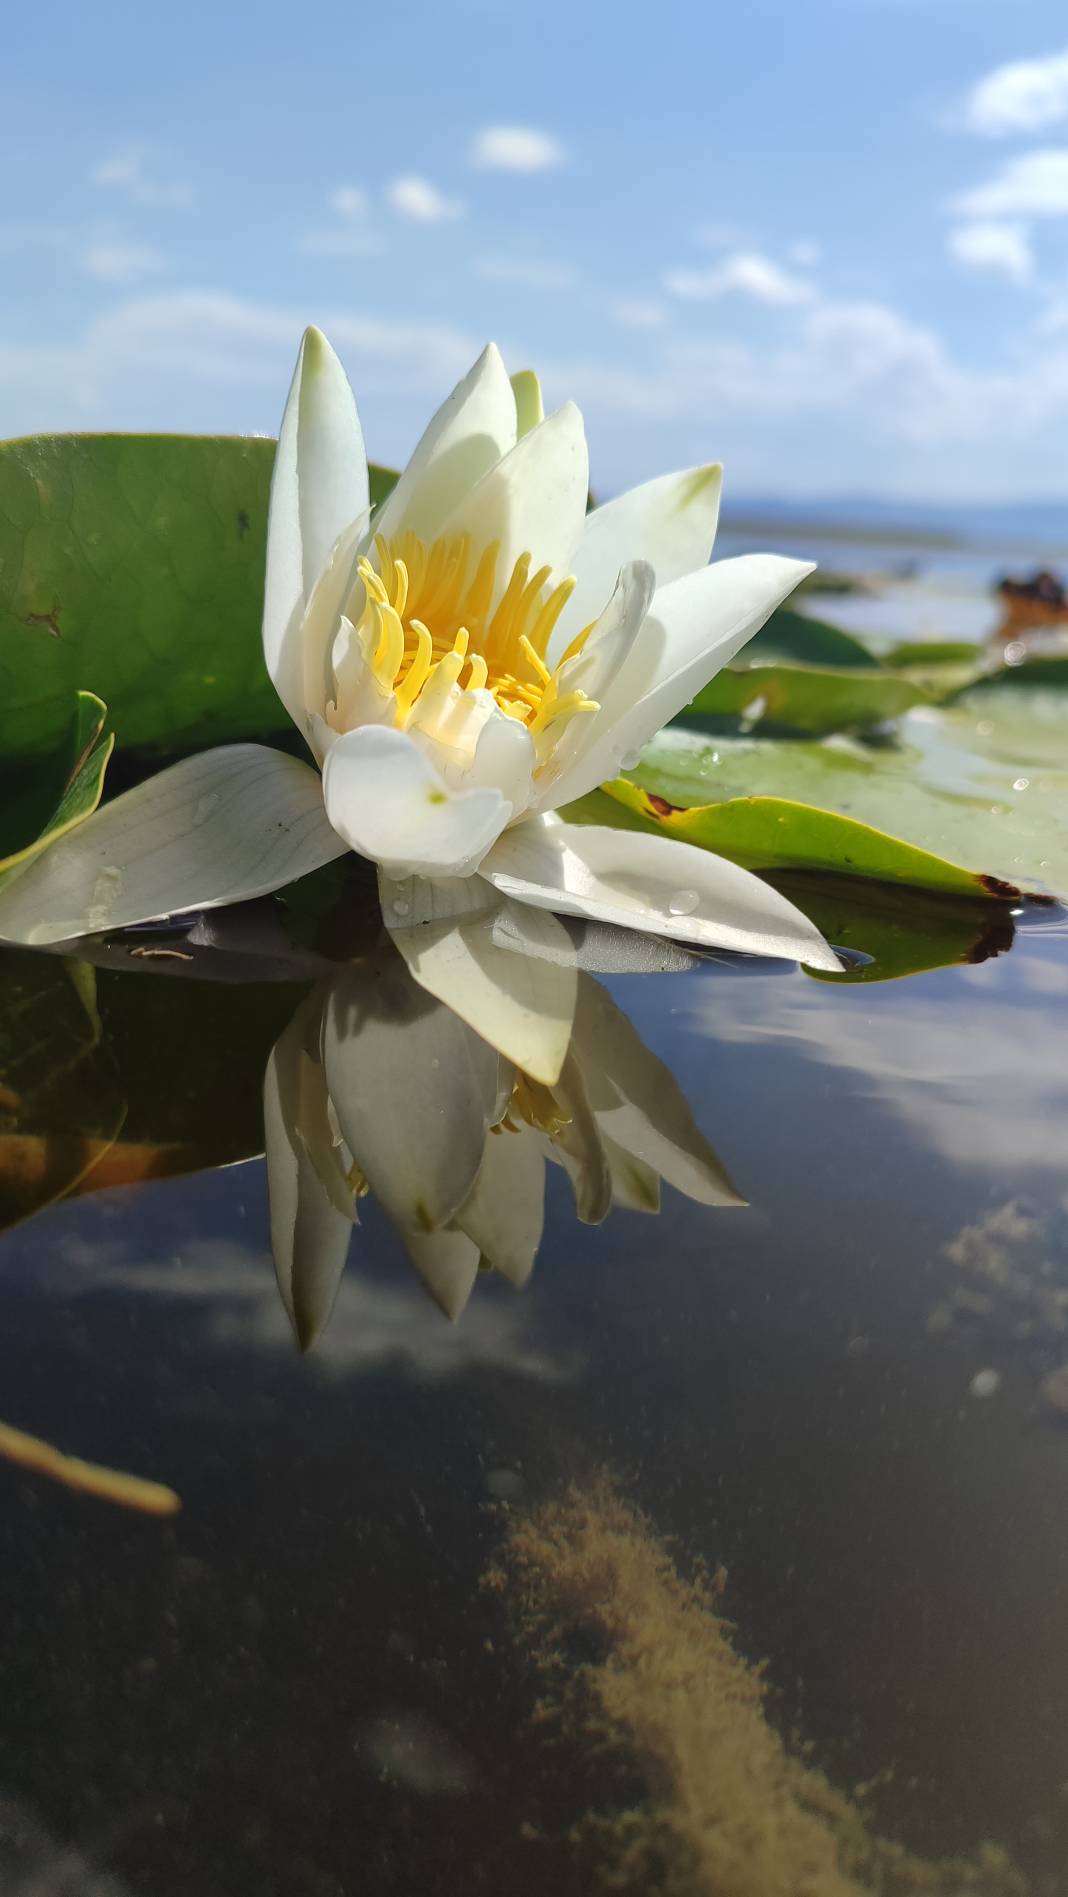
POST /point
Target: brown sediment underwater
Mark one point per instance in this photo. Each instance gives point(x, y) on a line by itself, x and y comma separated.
point(730, 1809)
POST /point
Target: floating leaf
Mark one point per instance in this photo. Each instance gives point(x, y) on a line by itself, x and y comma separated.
point(83, 789)
point(134, 563)
point(804, 698)
point(776, 833)
point(806, 640)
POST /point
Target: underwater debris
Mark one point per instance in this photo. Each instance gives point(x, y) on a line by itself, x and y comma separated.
point(730, 1810)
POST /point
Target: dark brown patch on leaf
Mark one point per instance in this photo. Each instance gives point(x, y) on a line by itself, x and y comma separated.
point(49, 619)
point(994, 941)
point(995, 887)
point(660, 806)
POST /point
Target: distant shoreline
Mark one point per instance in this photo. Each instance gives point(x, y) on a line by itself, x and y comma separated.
point(758, 525)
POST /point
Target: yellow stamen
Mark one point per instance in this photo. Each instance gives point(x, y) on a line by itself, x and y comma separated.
point(428, 619)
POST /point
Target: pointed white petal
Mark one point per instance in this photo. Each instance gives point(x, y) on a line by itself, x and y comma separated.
point(384, 797)
point(592, 672)
point(529, 407)
point(414, 1091)
point(635, 1186)
point(693, 628)
point(505, 1212)
point(534, 501)
point(670, 522)
point(229, 824)
point(494, 962)
point(318, 487)
point(310, 1229)
point(447, 1263)
point(638, 1103)
point(321, 624)
point(652, 883)
point(467, 437)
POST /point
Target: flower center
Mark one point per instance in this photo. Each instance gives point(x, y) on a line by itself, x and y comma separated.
point(429, 625)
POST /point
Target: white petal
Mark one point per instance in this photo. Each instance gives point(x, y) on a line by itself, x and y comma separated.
point(534, 501)
point(670, 522)
point(651, 883)
point(229, 824)
point(384, 797)
point(414, 1091)
point(529, 407)
point(592, 671)
point(310, 1229)
point(495, 963)
point(693, 628)
point(467, 437)
point(505, 1213)
point(447, 1262)
point(638, 1104)
point(322, 621)
point(318, 488)
point(635, 1186)
point(579, 1148)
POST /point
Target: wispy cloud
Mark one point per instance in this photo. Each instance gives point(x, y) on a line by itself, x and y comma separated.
point(1024, 96)
point(114, 261)
point(1034, 184)
point(516, 148)
point(417, 198)
point(634, 313)
point(351, 234)
point(128, 172)
point(1001, 249)
point(527, 273)
point(747, 274)
point(804, 253)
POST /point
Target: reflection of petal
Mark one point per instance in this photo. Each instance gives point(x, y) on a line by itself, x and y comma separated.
point(473, 951)
point(637, 1102)
point(311, 1207)
point(414, 1091)
point(447, 1262)
point(578, 1147)
point(635, 1186)
point(505, 1213)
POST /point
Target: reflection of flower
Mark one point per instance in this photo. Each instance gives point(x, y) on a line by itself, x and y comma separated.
point(377, 1087)
point(476, 654)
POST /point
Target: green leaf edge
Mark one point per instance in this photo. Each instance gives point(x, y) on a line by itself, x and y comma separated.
point(83, 789)
point(909, 867)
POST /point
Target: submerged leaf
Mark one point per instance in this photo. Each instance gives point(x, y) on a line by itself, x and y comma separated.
point(803, 699)
point(92, 748)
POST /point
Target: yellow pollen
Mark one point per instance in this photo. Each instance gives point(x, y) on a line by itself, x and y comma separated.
point(428, 619)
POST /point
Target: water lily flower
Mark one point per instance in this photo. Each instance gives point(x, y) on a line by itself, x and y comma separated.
point(377, 1087)
point(462, 662)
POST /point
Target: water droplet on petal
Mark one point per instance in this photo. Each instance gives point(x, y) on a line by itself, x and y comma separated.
point(630, 760)
point(400, 906)
point(683, 902)
point(1021, 783)
point(105, 893)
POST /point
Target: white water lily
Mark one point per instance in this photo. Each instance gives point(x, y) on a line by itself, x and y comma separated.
point(377, 1087)
point(461, 663)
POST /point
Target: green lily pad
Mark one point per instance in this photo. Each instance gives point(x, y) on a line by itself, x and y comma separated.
point(983, 786)
point(133, 564)
point(769, 833)
point(931, 652)
point(92, 747)
point(1047, 672)
point(803, 639)
point(806, 699)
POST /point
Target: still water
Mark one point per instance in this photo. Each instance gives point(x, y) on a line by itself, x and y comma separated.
point(728, 1555)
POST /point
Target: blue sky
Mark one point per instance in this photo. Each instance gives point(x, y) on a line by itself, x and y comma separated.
point(823, 240)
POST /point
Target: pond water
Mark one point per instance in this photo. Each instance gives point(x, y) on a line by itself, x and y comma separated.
point(431, 1616)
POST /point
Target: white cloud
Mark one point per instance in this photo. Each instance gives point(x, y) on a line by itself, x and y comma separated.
point(419, 199)
point(746, 273)
point(127, 172)
point(349, 201)
point(113, 261)
point(805, 253)
point(529, 273)
point(1002, 249)
point(633, 313)
point(516, 148)
point(1034, 184)
point(1023, 96)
